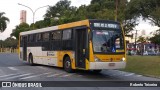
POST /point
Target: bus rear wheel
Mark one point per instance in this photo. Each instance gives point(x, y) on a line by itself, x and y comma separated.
point(31, 60)
point(67, 65)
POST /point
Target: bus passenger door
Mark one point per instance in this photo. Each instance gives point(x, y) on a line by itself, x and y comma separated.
point(80, 46)
point(24, 48)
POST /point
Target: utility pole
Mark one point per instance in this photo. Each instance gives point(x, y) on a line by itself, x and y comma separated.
point(135, 41)
point(116, 11)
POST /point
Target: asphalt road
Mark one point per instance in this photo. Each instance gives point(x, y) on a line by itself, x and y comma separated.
point(12, 69)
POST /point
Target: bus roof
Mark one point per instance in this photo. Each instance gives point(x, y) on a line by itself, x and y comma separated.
point(67, 25)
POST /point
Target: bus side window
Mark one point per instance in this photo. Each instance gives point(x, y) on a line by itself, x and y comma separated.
point(56, 40)
point(56, 35)
point(30, 38)
point(67, 40)
point(67, 34)
point(38, 37)
point(45, 36)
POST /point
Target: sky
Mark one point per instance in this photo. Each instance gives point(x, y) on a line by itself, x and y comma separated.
point(12, 10)
point(146, 27)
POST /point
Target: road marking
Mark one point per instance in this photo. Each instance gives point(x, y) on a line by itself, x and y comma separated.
point(129, 74)
point(9, 75)
point(17, 76)
point(122, 73)
point(35, 75)
point(1, 71)
point(112, 75)
point(55, 75)
point(66, 75)
point(79, 75)
point(139, 75)
point(12, 68)
point(41, 67)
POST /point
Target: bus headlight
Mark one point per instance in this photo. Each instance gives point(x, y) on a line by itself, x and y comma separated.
point(96, 59)
point(123, 59)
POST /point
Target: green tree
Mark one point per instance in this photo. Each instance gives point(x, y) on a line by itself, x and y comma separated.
point(101, 9)
point(10, 42)
point(41, 24)
point(141, 39)
point(148, 9)
point(81, 13)
point(3, 22)
point(63, 11)
point(1, 44)
point(156, 37)
point(105, 9)
point(155, 17)
point(20, 28)
point(98, 9)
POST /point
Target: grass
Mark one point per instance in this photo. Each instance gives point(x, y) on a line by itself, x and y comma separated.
point(145, 65)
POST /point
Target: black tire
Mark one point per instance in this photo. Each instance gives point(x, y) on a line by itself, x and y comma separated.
point(67, 65)
point(97, 71)
point(31, 60)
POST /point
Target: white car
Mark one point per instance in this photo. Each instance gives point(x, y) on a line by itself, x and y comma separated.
point(145, 53)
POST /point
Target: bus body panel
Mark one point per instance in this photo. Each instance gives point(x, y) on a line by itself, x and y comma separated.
point(125, 49)
point(107, 65)
point(40, 30)
point(109, 58)
point(87, 64)
point(91, 55)
point(61, 56)
point(74, 24)
point(20, 54)
point(106, 60)
point(43, 57)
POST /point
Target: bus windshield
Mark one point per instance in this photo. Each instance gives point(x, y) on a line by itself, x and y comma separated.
point(108, 41)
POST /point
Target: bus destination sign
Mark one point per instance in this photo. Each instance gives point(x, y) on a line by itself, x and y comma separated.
point(106, 25)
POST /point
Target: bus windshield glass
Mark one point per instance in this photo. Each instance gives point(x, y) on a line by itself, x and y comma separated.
point(108, 41)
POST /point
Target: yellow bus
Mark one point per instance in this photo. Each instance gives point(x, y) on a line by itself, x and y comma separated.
point(88, 45)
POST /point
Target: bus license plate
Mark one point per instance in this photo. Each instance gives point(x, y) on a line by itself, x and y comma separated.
point(111, 64)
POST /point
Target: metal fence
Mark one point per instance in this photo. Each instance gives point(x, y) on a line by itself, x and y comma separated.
point(8, 50)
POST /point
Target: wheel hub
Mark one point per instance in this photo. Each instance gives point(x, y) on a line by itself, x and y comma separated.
point(68, 64)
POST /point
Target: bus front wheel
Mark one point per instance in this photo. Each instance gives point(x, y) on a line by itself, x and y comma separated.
point(67, 65)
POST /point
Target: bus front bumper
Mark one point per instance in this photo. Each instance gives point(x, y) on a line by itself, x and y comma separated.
point(106, 65)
